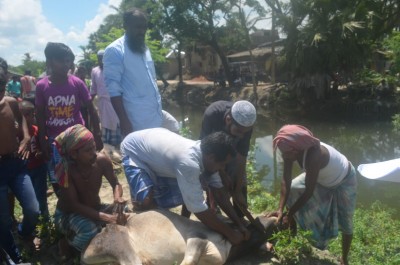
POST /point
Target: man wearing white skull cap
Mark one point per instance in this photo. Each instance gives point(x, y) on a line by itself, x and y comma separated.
point(237, 119)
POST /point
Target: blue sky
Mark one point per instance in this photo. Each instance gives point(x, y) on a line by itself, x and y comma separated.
point(79, 11)
point(27, 25)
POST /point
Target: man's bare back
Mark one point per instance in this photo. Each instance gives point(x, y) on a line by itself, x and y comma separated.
point(9, 126)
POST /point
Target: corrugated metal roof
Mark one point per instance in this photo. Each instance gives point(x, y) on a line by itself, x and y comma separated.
point(257, 52)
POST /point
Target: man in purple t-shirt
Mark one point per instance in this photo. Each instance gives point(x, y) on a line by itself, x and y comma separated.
point(58, 101)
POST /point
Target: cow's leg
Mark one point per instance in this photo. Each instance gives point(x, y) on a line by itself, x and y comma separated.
point(194, 249)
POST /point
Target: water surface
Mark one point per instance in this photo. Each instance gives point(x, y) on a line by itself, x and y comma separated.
point(360, 141)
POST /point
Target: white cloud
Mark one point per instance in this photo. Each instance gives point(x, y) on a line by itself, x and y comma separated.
point(24, 28)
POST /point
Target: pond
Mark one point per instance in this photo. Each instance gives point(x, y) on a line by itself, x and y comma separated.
point(360, 141)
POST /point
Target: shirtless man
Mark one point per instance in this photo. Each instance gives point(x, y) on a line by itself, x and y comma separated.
point(13, 172)
point(79, 214)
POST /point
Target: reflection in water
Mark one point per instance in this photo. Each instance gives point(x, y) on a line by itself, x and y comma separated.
point(264, 157)
point(361, 142)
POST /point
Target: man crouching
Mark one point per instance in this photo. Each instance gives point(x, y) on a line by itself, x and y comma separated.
point(79, 214)
point(165, 170)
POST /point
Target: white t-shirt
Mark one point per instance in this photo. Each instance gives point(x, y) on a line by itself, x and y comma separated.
point(163, 153)
point(336, 169)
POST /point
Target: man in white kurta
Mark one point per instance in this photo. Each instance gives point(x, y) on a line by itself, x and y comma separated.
point(130, 77)
point(164, 170)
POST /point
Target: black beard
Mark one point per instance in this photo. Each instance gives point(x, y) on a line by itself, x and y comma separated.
point(136, 46)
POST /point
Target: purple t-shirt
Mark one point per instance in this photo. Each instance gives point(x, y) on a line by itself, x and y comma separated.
point(62, 103)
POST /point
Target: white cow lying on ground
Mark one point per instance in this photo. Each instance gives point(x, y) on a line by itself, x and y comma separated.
point(163, 237)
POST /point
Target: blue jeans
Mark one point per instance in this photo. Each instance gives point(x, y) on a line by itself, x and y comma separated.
point(13, 175)
point(39, 181)
point(54, 160)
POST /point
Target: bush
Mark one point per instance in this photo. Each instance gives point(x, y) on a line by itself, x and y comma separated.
point(376, 239)
point(290, 249)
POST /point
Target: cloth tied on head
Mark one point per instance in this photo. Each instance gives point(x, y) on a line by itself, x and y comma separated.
point(71, 139)
point(244, 113)
point(294, 137)
point(100, 53)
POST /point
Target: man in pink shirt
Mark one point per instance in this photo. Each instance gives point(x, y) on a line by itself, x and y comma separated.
point(108, 117)
point(58, 99)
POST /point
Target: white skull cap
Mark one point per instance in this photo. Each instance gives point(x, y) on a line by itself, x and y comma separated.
point(100, 53)
point(244, 113)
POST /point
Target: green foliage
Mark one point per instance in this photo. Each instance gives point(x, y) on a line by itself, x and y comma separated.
point(392, 47)
point(375, 239)
point(259, 199)
point(289, 249)
point(157, 51)
point(36, 67)
point(372, 77)
point(47, 232)
point(186, 132)
point(106, 38)
point(396, 122)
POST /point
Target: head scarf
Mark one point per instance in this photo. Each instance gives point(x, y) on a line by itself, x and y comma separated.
point(71, 139)
point(294, 137)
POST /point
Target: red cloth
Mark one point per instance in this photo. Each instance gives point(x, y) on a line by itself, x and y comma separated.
point(294, 137)
point(33, 161)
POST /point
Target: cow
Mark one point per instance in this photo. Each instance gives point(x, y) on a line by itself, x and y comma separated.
point(164, 237)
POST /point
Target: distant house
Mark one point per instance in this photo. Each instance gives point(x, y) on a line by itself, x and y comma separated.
point(199, 61)
point(261, 63)
point(170, 66)
point(202, 60)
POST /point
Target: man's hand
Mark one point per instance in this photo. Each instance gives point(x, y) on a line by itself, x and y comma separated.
point(283, 219)
point(109, 218)
point(235, 237)
point(24, 150)
point(120, 200)
point(226, 180)
point(246, 233)
point(278, 214)
point(239, 199)
point(121, 216)
point(98, 141)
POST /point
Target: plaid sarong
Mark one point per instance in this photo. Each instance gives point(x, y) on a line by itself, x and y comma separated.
point(328, 210)
point(166, 191)
point(77, 229)
point(111, 137)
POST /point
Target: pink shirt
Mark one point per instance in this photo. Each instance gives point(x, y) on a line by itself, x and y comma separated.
point(62, 103)
point(108, 116)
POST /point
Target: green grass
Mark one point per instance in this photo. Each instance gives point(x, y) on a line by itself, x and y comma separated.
point(376, 239)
